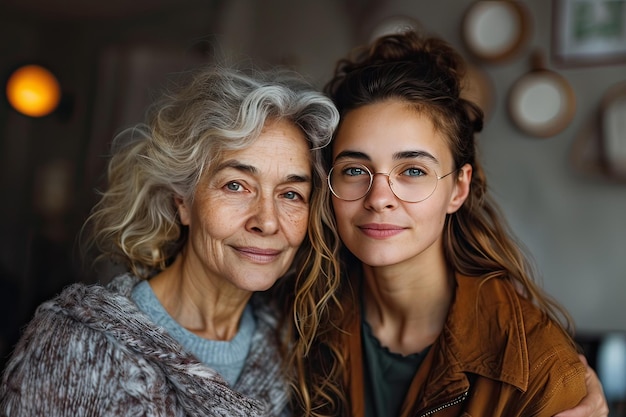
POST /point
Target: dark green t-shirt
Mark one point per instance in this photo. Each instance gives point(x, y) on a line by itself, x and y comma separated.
point(388, 375)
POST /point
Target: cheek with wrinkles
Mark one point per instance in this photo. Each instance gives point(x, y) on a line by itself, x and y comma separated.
point(295, 224)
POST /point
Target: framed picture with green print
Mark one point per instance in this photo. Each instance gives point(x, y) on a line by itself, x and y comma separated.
point(588, 32)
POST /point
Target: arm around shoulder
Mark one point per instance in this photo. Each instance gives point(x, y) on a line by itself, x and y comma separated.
point(594, 404)
point(557, 382)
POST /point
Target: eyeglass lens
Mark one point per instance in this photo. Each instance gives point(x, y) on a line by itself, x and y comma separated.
point(409, 181)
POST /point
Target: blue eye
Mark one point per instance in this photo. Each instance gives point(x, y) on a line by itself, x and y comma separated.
point(354, 171)
point(413, 172)
point(292, 195)
point(234, 186)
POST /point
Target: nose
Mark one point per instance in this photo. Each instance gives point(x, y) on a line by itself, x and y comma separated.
point(264, 216)
point(380, 196)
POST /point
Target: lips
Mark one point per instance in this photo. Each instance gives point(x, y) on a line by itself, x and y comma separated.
point(380, 231)
point(258, 255)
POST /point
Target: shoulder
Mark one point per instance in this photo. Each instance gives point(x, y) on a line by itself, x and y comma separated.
point(58, 355)
point(123, 284)
point(75, 321)
point(82, 344)
point(92, 305)
point(72, 326)
point(557, 376)
point(533, 352)
point(501, 311)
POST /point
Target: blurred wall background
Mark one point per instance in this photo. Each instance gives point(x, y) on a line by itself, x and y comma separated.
point(111, 57)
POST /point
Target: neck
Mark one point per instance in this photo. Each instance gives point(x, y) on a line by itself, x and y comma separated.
point(197, 304)
point(407, 305)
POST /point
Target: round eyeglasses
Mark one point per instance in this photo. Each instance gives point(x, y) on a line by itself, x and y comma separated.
point(410, 182)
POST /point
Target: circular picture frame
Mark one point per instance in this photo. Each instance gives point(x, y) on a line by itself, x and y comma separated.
point(496, 31)
point(541, 103)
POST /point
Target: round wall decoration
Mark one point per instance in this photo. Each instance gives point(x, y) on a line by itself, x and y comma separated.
point(541, 103)
point(496, 30)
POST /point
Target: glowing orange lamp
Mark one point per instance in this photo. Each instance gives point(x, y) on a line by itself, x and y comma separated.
point(33, 90)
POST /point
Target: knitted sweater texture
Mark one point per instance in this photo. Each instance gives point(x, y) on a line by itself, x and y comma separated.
point(91, 352)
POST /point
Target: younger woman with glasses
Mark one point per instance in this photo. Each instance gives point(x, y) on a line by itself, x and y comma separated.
point(441, 314)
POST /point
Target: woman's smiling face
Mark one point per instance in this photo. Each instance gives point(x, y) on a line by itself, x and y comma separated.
point(250, 215)
point(380, 229)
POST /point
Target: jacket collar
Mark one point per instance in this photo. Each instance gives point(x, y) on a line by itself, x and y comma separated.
point(485, 322)
point(483, 335)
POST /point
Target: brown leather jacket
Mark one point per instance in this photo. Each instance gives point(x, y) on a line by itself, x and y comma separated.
point(498, 355)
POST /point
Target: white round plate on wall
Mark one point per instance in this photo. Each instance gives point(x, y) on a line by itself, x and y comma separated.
point(495, 30)
point(541, 103)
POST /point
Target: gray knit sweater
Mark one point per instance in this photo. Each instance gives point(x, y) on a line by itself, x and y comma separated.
point(91, 352)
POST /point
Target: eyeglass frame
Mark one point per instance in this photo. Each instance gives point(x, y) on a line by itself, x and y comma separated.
point(387, 174)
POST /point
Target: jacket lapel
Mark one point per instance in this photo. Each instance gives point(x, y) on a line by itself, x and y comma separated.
point(485, 322)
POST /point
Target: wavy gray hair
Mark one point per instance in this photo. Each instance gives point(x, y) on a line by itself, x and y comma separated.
point(219, 109)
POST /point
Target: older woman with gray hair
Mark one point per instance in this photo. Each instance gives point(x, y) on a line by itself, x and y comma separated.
point(208, 207)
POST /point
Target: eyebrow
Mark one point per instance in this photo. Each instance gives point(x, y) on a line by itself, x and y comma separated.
point(348, 154)
point(251, 169)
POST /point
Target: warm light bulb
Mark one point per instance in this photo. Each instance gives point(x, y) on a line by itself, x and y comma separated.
point(33, 91)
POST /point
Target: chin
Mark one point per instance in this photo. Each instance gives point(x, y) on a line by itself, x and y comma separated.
point(378, 259)
point(254, 285)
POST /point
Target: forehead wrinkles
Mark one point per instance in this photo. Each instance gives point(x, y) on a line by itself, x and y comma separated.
point(275, 166)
